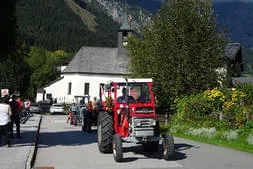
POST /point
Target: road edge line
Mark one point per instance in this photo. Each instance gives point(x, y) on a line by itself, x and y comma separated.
point(31, 158)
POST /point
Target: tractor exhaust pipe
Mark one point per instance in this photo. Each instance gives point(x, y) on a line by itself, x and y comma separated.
point(127, 103)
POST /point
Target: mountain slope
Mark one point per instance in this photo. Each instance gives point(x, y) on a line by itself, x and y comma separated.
point(238, 18)
point(151, 5)
point(70, 24)
point(87, 17)
point(53, 25)
point(115, 9)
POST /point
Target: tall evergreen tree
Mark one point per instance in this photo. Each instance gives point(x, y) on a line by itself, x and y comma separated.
point(7, 28)
point(180, 49)
point(13, 70)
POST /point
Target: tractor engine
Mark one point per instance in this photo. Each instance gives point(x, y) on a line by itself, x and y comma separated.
point(142, 127)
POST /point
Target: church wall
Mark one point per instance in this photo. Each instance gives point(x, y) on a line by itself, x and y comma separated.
point(59, 90)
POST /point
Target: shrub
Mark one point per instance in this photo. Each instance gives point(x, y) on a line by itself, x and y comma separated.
point(221, 108)
point(178, 128)
point(192, 107)
point(202, 132)
point(221, 124)
point(230, 135)
point(246, 88)
point(250, 139)
point(216, 98)
point(248, 125)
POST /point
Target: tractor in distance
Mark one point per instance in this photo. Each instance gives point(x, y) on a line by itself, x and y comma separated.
point(128, 114)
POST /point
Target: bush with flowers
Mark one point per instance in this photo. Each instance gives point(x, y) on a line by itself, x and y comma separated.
point(232, 107)
point(109, 103)
point(216, 98)
point(197, 116)
point(247, 100)
point(192, 108)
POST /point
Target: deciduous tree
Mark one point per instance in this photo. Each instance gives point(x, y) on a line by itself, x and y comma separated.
point(180, 48)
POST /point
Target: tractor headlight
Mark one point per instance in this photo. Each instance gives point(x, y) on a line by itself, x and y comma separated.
point(137, 123)
point(154, 122)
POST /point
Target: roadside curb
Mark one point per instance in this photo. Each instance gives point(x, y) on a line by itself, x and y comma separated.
point(31, 158)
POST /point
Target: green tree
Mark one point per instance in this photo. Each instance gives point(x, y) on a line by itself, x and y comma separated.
point(13, 70)
point(42, 64)
point(181, 49)
point(8, 27)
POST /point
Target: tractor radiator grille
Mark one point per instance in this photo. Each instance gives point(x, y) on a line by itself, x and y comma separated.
point(144, 110)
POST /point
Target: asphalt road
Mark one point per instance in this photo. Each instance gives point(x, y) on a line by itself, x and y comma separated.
point(62, 146)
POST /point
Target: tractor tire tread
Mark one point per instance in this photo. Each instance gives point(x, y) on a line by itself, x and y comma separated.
point(107, 131)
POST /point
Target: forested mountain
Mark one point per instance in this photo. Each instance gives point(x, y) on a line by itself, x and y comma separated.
point(70, 24)
point(86, 22)
point(60, 24)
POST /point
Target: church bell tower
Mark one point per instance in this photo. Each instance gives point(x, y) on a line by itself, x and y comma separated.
point(123, 33)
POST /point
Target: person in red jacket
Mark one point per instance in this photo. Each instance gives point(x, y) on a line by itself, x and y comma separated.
point(20, 105)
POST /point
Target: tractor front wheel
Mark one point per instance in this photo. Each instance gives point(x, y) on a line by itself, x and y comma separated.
point(117, 148)
point(168, 147)
point(105, 132)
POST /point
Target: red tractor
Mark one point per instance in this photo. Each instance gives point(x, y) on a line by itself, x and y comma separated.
point(128, 115)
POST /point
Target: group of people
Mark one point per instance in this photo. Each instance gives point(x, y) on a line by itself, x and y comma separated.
point(88, 112)
point(10, 113)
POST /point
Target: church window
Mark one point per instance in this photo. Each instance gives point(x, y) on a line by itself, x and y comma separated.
point(69, 88)
point(86, 88)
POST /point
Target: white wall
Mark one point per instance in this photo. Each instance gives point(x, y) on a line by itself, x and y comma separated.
point(59, 89)
point(39, 97)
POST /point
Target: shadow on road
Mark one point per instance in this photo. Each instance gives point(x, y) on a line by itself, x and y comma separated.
point(66, 138)
point(138, 149)
point(27, 136)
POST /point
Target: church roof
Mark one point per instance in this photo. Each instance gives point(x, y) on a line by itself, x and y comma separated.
point(232, 49)
point(125, 25)
point(99, 60)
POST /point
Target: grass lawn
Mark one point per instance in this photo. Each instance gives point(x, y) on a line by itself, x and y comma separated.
point(235, 144)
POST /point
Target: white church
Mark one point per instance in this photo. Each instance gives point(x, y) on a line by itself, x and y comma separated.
point(90, 67)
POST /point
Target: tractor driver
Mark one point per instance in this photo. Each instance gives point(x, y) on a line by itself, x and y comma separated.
point(122, 98)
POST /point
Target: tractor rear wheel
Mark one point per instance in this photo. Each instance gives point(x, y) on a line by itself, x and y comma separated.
point(105, 132)
point(168, 147)
point(117, 148)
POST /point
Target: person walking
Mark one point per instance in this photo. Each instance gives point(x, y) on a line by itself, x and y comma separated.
point(5, 114)
point(72, 111)
point(27, 107)
point(87, 118)
point(20, 107)
point(94, 111)
point(15, 116)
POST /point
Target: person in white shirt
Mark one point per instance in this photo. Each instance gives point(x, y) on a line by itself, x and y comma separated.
point(27, 107)
point(5, 114)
